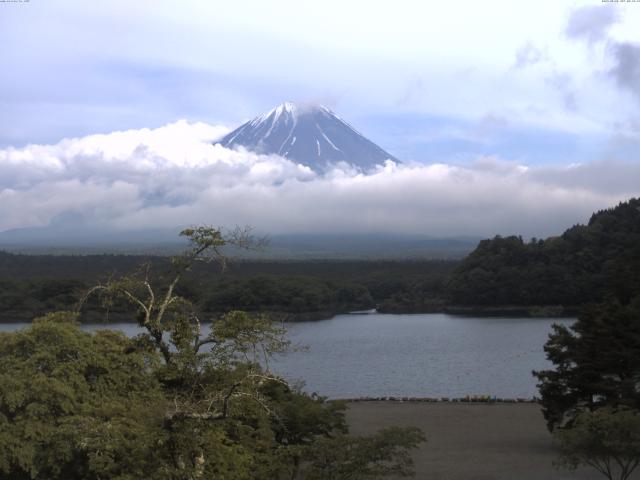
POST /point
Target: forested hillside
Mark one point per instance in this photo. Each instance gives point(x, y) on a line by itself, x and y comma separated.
point(31, 285)
point(585, 264)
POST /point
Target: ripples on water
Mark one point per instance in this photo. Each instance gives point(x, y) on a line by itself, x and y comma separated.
point(423, 355)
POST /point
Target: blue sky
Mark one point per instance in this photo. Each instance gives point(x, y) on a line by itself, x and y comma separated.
point(509, 117)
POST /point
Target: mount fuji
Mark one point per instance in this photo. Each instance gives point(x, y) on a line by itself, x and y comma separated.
point(308, 134)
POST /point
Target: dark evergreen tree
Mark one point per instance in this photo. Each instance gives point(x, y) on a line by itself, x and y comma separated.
point(597, 362)
point(585, 264)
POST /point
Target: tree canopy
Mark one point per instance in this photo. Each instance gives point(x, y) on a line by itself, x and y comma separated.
point(173, 403)
point(596, 362)
point(607, 440)
point(585, 264)
point(75, 405)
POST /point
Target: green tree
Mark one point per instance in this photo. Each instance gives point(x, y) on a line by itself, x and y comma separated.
point(607, 440)
point(213, 383)
point(597, 362)
point(585, 264)
point(171, 403)
point(382, 455)
point(75, 405)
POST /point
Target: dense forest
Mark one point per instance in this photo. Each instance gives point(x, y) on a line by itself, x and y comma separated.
point(557, 275)
point(585, 264)
point(31, 285)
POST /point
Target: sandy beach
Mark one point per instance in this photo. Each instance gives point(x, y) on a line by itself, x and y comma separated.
point(471, 441)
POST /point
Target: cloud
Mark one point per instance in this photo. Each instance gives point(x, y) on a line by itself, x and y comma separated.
point(223, 62)
point(626, 69)
point(415, 87)
point(490, 123)
point(563, 83)
point(591, 23)
point(529, 55)
point(601, 177)
point(174, 176)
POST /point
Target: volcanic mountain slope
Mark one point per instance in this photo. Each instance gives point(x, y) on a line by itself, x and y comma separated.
point(308, 134)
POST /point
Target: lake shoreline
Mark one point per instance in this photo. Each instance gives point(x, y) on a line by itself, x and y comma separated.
point(533, 311)
point(528, 311)
point(469, 399)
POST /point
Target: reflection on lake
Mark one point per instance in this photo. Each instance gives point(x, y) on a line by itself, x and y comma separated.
point(424, 355)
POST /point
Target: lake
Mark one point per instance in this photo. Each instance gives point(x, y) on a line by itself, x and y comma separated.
point(422, 355)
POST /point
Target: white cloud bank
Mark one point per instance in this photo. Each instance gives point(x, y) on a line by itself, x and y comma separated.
point(173, 176)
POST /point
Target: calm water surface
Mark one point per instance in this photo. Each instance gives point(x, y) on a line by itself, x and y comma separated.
point(423, 355)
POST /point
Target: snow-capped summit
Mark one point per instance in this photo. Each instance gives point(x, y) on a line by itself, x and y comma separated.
point(309, 134)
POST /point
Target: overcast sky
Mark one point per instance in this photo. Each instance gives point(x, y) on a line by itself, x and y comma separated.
point(528, 112)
